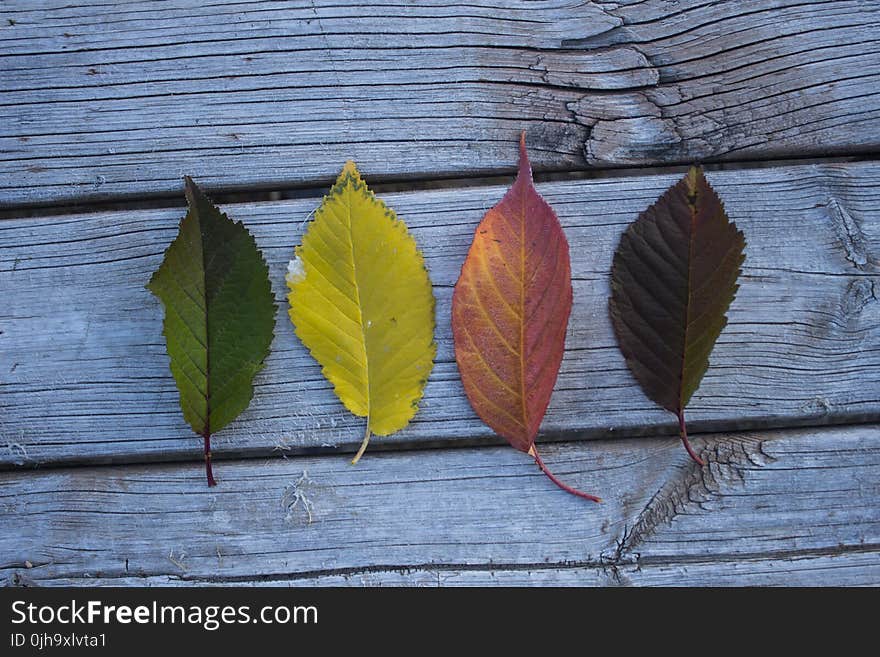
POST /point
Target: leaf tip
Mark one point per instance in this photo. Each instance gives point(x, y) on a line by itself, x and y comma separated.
point(695, 179)
point(525, 167)
point(191, 190)
point(350, 168)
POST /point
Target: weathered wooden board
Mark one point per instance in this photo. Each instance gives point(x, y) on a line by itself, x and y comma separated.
point(850, 568)
point(84, 375)
point(787, 507)
point(101, 101)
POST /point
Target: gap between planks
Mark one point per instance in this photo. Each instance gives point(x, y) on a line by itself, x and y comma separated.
point(256, 193)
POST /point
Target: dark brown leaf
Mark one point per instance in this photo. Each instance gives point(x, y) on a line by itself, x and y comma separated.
point(672, 280)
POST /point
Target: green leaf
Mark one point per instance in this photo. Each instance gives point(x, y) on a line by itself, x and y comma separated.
point(361, 301)
point(219, 315)
point(672, 280)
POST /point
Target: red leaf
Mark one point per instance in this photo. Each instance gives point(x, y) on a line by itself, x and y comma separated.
point(510, 312)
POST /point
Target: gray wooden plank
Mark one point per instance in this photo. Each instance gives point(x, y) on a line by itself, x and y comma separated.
point(85, 375)
point(843, 569)
point(101, 102)
point(792, 506)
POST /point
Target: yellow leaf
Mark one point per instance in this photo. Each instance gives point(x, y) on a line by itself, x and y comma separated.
point(361, 301)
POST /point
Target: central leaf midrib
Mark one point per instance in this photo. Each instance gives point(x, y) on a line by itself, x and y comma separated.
point(687, 301)
point(357, 299)
point(522, 310)
point(207, 431)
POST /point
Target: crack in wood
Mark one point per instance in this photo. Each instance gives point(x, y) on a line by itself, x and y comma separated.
point(625, 127)
point(727, 458)
point(618, 573)
point(848, 231)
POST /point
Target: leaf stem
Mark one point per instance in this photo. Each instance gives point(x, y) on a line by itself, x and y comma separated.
point(683, 434)
point(208, 469)
point(363, 448)
point(533, 452)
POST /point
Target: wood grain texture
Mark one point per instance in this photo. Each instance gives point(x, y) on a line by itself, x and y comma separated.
point(85, 373)
point(843, 569)
point(101, 101)
point(785, 507)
